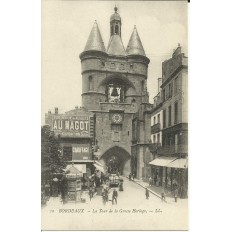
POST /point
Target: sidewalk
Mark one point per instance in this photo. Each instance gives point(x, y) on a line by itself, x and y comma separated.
point(157, 191)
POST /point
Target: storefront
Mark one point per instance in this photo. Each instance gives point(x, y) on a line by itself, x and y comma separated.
point(171, 173)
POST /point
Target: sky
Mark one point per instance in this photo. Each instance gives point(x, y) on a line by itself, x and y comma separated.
point(66, 26)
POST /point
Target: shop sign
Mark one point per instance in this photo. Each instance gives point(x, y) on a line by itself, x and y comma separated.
point(71, 126)
point(81, 152)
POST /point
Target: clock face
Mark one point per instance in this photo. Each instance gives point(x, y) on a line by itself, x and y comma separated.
point(117, 118)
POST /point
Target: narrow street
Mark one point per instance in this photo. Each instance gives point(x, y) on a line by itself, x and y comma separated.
point(132, 207)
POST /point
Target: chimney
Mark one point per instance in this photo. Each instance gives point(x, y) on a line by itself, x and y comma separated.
point(56, 110)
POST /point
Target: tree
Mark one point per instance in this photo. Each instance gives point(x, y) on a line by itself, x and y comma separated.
point(52, 160)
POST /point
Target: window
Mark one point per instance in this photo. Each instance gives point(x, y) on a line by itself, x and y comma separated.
point(158, 120)
point(163, 94)
point(112, 65)
point(176, 85)
point(142, 83)
point(112, 30)
point(164, 118)
point(116, 137)
point(154, 139)
point(170, 116)
point(90, 83)
point(170, 89)
point(154, 120)
point(158, 139)
point(122, 67)
point(176, 112)
point(115, 127)
point(116, 29)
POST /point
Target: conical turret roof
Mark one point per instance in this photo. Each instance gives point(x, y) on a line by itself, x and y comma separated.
point(135, 46)
point(115, 46)
point(95, 41)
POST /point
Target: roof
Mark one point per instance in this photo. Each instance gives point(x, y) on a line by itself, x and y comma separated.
point(95, 41)
point(135, 46)
point(115, 46)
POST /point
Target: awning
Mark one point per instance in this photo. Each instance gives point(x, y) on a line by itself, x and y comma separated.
point(98, 167)
point(179, 163)
point(98, 163)
point(80, 167)
point(162, 161)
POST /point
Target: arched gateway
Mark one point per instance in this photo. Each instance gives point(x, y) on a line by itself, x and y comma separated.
point(116, 159)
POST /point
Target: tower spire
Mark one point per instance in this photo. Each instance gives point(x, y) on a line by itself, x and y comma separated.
point(135, 46)
point(95, 41)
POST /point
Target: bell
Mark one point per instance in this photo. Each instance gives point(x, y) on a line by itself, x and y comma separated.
point(114, 92)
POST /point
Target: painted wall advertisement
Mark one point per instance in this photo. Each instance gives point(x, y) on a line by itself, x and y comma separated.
point(71, 126)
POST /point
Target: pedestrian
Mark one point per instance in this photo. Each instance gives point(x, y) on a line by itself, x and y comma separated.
point(106, 194)
point(175, 194)
point(90, 193)
point(130, 176)
point(150, 181)
point(103, 197)
point(134, 176)
point(121, 186)
point(147, 193)
point(162, 196)
point(114, 197)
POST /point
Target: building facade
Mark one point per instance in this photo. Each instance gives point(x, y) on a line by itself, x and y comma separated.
point(114, 88)
point(170, 165)
point(76, 132)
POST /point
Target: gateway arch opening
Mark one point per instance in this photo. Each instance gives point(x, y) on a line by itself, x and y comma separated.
point(117, 160)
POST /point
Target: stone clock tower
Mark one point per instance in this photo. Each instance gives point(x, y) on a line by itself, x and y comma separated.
point(114, 86)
